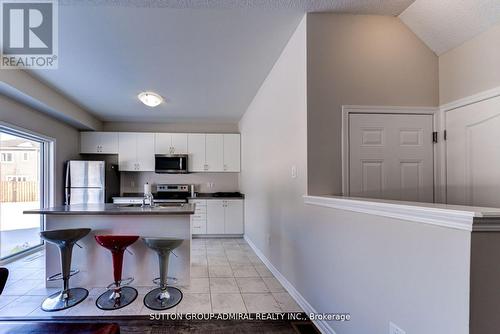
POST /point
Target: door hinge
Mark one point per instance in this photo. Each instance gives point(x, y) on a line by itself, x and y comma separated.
point(445, 135)
point(435, 137)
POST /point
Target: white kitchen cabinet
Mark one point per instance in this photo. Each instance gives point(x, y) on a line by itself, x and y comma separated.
point(171, 143)
point(223, 216)
point(136, 152)
point(233, 216)
point(214, 152)
point(232, 153)
point(196, 150)
point(215, 216)
point(98, 142)
point(199, 218)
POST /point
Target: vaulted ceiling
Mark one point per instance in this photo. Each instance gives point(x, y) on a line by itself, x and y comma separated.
point(445, 24)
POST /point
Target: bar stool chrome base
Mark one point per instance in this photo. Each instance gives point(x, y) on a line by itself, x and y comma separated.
point(110, 301)
point(64, 299)
point(159, 299)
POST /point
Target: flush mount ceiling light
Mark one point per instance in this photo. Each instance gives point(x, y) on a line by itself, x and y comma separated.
point(150, 99)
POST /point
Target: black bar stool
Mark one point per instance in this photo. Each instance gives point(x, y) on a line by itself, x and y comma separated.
point(65, 240)
point(119, 294)
point(163, 297)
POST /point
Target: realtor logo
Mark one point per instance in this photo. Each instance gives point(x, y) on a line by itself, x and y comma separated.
point(28, 34)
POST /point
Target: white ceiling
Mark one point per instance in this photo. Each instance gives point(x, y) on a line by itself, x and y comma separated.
point(445, 24)
point(208, 58)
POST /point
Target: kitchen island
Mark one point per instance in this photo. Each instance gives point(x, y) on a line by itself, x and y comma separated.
point(94, 261)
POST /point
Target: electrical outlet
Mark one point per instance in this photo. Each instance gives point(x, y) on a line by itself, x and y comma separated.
point(394, 329)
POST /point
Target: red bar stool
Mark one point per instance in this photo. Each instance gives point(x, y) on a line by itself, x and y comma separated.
point(119, 294)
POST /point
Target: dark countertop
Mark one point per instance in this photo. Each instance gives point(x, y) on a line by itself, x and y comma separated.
point(198, 196)
point(113, 209)
point(212, 196)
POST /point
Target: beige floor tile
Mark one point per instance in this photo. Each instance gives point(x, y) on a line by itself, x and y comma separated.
point(199, 260)
point(195, 303)
point(22, 287)
point(197, 285)
point(286, 302)
point(86, 308)
point(42, 291)
point(260, 302)
point(244, 270)
point(273, 284)
point(5, 300)
point(220, 271)
point(22, 306)
point(223, 285)
point(38, 312)
point(251, 285)
point(263, 271)
point(199, 271)
point(217, 260)
point(228, 303)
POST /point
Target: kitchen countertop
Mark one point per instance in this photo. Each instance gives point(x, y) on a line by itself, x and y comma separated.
point(113, 209)
point(213, 196)
point(198, 196)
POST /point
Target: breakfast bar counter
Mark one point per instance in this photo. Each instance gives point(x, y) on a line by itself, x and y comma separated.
point(95, 263)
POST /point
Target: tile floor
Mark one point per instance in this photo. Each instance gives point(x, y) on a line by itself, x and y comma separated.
point(226, 276)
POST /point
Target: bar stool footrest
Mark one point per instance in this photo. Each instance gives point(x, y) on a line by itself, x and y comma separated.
point(60, 276)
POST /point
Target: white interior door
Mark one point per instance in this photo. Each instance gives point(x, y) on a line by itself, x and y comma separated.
point(391, 157)
point(473, 154)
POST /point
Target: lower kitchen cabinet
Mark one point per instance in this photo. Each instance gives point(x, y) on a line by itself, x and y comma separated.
point(217, 216)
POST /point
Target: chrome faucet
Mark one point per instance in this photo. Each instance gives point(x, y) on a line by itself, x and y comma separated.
point(148, 196)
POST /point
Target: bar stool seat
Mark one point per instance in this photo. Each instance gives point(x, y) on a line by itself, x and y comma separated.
point(163, 297)
point(66, 298)
point(118, 295)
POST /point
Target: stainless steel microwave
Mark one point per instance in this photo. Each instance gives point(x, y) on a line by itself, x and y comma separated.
point(171, 163)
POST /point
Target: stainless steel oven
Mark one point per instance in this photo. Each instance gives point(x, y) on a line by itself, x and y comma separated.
point(171, 163)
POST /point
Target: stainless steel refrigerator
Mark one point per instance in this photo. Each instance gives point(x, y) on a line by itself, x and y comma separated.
point(85, 182)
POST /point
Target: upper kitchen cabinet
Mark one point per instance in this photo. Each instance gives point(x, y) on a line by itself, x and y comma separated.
point(196, 150)
point(214, 152)
point(98, 142)
point(136, 152)
point(171, 143)
point(232, 153)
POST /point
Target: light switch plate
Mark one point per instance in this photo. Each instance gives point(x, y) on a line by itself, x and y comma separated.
point(394, 329)
point(294, 172)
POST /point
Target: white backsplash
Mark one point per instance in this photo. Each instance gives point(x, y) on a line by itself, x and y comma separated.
point(134, 181)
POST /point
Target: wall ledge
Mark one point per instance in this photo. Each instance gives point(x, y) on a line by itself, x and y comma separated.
point(443, 215)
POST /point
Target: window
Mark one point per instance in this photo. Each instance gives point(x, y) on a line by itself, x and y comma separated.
point(25, 183)
point(6, 157)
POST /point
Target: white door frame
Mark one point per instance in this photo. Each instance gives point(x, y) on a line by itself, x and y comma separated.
point(359, 109)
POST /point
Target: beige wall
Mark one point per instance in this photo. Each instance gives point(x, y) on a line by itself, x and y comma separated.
point(67, 138)
point(358, 59)
point(377, 269)
point(470, 68)
point(172, 127)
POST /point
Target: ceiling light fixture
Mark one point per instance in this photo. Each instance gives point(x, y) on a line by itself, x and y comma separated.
point(150, 99)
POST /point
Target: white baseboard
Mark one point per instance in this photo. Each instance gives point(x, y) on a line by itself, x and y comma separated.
point(322, 325)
